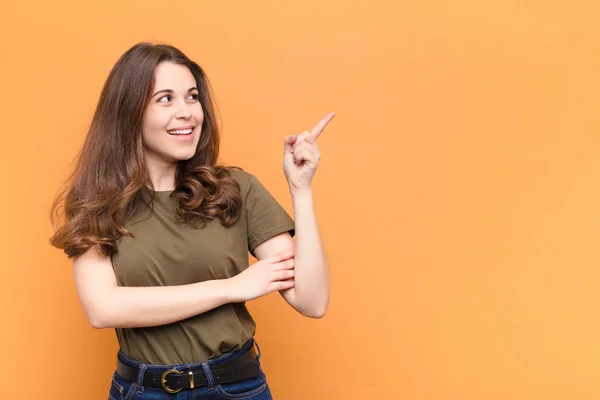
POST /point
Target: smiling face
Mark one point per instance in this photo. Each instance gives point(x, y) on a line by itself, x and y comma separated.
point(172, 121)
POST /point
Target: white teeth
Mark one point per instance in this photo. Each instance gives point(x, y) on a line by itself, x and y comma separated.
point(180, 132)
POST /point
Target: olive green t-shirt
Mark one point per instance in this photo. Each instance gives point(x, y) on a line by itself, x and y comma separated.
point(165, 252)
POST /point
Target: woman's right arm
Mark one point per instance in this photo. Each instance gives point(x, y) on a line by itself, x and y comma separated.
point(108, 305)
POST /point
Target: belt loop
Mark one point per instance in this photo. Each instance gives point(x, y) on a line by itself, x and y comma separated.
point(140, 379)
point(257, 349)
point(209, 376)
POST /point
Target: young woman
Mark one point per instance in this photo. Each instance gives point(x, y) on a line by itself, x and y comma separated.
point(159, 235)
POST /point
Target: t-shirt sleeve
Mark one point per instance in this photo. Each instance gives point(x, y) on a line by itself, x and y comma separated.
point(265, 217)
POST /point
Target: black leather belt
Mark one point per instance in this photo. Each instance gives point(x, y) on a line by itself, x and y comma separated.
point(173, 381)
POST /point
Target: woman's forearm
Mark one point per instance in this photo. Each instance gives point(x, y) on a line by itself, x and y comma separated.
point(311, 291)
point(131, 307)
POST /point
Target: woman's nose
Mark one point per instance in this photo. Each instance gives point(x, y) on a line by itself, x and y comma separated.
point(183, 110)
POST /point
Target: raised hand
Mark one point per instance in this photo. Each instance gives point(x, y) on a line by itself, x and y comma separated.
point(302, 155)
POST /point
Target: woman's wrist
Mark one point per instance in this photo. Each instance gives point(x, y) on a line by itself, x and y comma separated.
point(301, 193)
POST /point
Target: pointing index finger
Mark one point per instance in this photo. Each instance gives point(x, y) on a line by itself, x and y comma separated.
point(316, 131)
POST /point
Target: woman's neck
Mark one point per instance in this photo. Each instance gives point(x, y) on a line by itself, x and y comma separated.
point(162, 175)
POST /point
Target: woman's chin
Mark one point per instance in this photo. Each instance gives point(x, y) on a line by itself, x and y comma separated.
point(174, 156)
point(184, 156)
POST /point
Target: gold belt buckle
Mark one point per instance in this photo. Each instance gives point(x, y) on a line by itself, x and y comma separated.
point(163, 380)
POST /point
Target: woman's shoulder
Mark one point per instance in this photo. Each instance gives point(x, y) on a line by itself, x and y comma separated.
point(248, 182)
point(244, 178)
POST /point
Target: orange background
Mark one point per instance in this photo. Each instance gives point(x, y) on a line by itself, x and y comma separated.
point(458, 192)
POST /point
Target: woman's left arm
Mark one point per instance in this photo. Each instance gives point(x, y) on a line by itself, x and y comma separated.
point(310, 294)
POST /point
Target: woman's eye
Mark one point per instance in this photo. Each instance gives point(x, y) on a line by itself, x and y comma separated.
point(168, 98)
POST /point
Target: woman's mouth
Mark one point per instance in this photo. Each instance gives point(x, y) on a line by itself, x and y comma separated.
point(180, 132)
point(182, 135)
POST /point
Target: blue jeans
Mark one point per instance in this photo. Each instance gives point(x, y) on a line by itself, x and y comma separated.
point(247, 389)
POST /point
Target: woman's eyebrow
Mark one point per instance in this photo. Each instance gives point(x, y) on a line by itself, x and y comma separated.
point(171, 90)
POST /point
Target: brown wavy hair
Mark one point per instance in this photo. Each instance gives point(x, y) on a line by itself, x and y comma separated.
point(105, 188)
